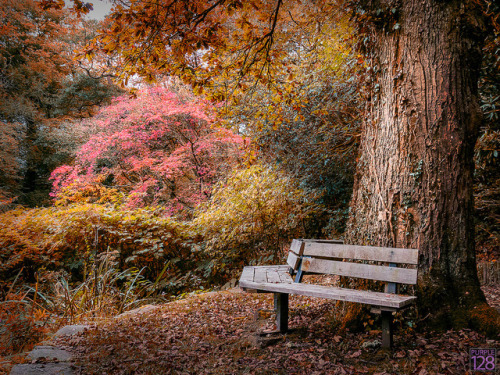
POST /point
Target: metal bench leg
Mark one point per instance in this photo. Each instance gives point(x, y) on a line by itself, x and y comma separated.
point(281, 307)
point(386, 329)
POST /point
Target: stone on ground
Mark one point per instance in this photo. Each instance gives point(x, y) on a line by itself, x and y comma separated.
point(62, 368)
point(70, 330)
point(50, 353)
point(49, 360)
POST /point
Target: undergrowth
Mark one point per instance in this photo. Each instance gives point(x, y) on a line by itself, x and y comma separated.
point(29, 313)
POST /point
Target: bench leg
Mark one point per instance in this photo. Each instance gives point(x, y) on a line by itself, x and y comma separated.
point(386, 329)
point(281, 307)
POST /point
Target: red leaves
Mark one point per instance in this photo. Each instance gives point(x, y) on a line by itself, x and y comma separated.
point(158, 148)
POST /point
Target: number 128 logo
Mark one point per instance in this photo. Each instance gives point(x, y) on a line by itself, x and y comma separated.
point(483, 359)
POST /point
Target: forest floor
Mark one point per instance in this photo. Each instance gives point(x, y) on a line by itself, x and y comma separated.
point(218, 333)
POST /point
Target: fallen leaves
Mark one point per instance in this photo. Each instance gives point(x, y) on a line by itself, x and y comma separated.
point(223, 333)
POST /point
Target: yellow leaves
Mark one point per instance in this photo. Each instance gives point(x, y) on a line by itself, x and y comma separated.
point(244, 24)
point(89, 55)
point(250, 208)
point(140, 33)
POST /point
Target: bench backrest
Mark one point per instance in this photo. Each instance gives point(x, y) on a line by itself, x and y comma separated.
point(333, 257)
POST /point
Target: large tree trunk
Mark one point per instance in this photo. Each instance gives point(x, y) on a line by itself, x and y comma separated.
point(413, 186)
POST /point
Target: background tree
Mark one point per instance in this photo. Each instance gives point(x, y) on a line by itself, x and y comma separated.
point(31, 66)
point(303, 91)
point(39, 81)
point(308, 125)
point(158, 149)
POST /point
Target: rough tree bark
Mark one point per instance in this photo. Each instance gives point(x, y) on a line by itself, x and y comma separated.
point(413, 185)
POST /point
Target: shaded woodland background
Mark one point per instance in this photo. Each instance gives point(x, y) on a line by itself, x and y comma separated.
point(112, 197)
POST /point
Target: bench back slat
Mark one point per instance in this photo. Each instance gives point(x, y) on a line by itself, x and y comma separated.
point(369, 253)
point(364, 271)
point(293, 260)
point(297, 247)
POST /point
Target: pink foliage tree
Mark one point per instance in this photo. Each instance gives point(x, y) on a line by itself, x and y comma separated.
point(159, 148)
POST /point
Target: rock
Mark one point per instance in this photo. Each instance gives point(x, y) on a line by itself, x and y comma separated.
point(71, 330)
point(371, 344)
point(235, 290)
point(139, 310)
point(62, 368)
point(50, 353)
point(230, 284)
point(48, 359)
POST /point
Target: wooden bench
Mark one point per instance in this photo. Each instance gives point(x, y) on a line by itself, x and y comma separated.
point(335, 258)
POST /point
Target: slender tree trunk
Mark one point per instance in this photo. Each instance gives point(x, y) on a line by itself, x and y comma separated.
point(413, 185)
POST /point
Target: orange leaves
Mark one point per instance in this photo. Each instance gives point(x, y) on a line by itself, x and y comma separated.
point(22, 325)
point(56, 237)
point(185, 27)
point(79, 7)
point(55, 4)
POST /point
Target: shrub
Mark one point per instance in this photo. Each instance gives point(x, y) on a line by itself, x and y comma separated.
point(24, 324)
point(70, 237)
point(251, 217)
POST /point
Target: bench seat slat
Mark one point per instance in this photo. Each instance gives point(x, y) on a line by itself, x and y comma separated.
point(285, 277)
point(281, 271)
point(394, 301)
point(370, 253)
point(260, 275)
point(247, 274)
point(273, 276)
point(364, 271)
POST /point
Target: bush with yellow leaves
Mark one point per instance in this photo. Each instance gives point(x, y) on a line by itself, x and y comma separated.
point(251, 217)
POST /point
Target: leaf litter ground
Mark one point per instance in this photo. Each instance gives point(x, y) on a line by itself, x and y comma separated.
point(223, 333)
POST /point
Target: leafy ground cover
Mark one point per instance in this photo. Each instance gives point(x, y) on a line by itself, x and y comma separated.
point(224, 333)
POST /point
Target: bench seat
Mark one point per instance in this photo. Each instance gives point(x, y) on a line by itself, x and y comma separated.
point(276, 279)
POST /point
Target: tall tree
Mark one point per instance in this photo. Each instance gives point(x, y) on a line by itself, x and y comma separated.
point(414, 181)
